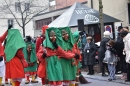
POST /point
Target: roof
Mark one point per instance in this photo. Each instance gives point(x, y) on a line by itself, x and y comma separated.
point(80, 11)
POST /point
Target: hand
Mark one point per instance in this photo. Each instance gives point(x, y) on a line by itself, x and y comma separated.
point(44, 55)
point(9, 27)
point(31, 64)
point(55, 45)
point(76, 56)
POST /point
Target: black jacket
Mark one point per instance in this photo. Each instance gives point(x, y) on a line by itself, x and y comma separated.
point(89, 58)
point(119, 46)
point(102, 49)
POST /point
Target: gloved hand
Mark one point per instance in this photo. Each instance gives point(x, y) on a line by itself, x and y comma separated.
point(1, 58)
point(76, 56)
point(31, 64)
point(44, 55)
point(55, 45)
point(9, 27)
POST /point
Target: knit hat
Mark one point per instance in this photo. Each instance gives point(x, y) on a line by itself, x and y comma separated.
point(89, 38)
point(106, 33)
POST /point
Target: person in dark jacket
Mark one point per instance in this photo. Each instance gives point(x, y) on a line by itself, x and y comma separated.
point(89, 54)
point(101, 52)
point(121, 64)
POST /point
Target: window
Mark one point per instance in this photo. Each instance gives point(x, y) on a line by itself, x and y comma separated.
point(17, 6)
point(43, 22)
point(27, 6)
point(10, 22)
point(129, 12)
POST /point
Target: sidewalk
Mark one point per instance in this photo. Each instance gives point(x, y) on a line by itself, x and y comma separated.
point(98, 76)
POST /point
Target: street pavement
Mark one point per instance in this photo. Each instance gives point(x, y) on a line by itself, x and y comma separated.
point(96, 80)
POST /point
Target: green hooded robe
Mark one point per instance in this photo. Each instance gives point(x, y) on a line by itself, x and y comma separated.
point(14, 42)
point(33, 58)
point(54, 69)
point(69, 71)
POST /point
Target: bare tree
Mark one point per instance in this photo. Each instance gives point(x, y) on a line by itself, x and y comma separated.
point(101, 17)
point(23, 10)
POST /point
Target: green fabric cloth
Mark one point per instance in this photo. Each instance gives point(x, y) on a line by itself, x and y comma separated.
point(33, 58)
point(76, 37)
point(47, 43)
point(13, 43)
point(68, 45)
point(54, 69)
point(69, 71)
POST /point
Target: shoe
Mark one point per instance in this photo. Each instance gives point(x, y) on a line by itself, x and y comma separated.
point(6, 82)
point(109, 79)
point(27, 82)
point(124, 76)
point(88, 73)
point(127, 80)
point(1, 84)
point(104, 75)
point(34, 81)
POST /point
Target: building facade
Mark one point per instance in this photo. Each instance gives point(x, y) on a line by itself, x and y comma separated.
point(6, 17)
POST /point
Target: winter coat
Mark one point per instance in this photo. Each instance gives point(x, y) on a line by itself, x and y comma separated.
point(89, 54)
point(14, 68)
point(120, 49)
point(102, 49)
point(126, 41)
point(110, 56)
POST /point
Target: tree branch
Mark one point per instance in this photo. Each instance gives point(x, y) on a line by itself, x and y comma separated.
point(12, 13)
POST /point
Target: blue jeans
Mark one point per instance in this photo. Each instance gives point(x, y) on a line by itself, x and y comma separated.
point(112, 69)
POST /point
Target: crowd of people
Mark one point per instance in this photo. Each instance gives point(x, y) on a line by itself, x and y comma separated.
point(58, 55)
point(113, 55)
point(55, 57)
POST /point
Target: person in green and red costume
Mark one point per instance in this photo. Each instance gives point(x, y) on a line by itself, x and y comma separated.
point(77, 44)
point(68, 65)
point(30, 56)
point(53, 44)
point(15, 62)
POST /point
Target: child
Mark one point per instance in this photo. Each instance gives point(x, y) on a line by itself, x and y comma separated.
point(111, 59)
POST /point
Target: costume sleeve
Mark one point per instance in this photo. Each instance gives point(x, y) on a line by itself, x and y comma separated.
point(77, 51)
point(40, 53)
point(3, 37)
point(50, 52)
point(65, 54)
point(20, 54)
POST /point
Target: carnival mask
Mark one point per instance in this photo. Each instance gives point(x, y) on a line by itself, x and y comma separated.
point(52, 36)
point(65, 35)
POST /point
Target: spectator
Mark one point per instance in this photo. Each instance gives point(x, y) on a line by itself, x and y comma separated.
point(121, 64)
point(102, 50)
point(89, 55)
point(111, 59)
point(126, 39)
